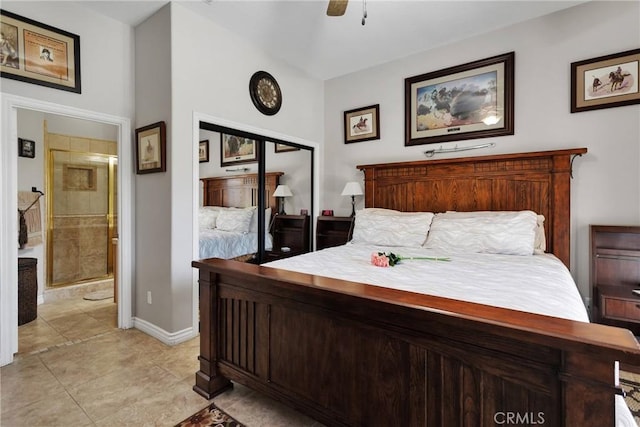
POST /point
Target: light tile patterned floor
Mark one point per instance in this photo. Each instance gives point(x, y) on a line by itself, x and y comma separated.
point(75, 368)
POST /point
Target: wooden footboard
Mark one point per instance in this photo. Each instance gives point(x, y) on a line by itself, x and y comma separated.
point(353, 354)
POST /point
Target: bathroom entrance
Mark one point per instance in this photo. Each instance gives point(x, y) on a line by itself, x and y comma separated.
point(81, 211)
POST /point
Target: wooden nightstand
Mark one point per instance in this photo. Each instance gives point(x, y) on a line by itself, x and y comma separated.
point(615, 272)
point(289, 231)
point(333, 231)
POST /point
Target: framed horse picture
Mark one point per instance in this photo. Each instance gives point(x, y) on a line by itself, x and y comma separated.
point(606, 81)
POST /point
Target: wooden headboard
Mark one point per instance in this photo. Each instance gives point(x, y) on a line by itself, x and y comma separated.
point(240, 190)
point(537, 181)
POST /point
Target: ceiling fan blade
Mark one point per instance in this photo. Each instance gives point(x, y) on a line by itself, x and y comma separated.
point(337, 7)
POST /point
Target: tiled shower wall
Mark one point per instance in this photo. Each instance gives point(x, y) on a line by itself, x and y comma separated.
point(80, 225)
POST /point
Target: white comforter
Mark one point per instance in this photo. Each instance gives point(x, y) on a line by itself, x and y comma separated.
point(216, 243)
point(537, 283)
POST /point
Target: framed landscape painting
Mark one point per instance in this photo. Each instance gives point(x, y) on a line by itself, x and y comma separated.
point(473, 100)
point(605, 82)
point(236, 149)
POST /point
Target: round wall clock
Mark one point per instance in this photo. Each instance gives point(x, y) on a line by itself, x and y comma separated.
point(265, 93)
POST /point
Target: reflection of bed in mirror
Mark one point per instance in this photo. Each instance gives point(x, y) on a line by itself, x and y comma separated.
point(228, 217)
point(351, 353)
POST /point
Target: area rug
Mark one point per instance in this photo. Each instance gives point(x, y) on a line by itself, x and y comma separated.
point(99, 295)
point(211, 416)
point(632, 389)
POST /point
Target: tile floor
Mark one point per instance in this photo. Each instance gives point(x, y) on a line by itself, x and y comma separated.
point(75, 368)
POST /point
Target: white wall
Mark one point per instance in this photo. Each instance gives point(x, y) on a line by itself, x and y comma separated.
point(606, 189)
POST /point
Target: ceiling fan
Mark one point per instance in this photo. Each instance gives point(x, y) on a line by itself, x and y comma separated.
point(339, 7)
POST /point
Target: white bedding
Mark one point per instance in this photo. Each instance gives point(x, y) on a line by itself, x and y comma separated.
point(537, 284)
point(215, 243)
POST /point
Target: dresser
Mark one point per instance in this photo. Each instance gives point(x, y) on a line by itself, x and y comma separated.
point(615, 273)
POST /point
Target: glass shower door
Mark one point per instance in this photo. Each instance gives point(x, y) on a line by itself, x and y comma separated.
point(80, 216)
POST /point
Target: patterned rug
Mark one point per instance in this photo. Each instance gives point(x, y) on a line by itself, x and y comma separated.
point(633, 397)
point(211, 416)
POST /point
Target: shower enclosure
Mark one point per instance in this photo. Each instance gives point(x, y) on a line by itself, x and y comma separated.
point(81, 216)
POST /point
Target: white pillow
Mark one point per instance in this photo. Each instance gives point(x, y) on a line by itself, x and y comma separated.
point(207, 217)
point(540, 243)
point(254, 220)
point(511, 233)
point(384, 227)
point(238, 220)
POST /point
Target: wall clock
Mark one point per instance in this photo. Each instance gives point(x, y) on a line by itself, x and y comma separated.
point(265, 93)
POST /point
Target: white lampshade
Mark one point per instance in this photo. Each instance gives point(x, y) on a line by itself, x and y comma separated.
point(282, 191)
point(352, 189)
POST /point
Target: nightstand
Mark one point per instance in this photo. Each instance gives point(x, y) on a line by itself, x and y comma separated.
point(615, 272)
point(333, 231)
point(289, 231)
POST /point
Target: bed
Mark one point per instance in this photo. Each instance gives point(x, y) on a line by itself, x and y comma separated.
point(236, 235)
point(350, 353)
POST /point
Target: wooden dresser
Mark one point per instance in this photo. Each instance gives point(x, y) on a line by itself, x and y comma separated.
point(615, 273)
point(290, 236)
point(333, 231)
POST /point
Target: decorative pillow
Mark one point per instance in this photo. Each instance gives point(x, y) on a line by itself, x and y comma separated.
point(511, 233)
point(207, 217)
point(384, 227)
point(254, 220)
point(238, 220)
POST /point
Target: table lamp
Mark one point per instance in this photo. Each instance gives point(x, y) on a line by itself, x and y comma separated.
point(281, 192)
point(352, 189)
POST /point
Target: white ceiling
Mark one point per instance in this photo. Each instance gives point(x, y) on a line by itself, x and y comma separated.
point(301, 34)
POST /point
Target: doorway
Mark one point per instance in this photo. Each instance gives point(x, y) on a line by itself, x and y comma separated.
point(11, 104)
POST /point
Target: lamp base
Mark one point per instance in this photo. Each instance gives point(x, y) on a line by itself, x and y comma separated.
point(353, 205)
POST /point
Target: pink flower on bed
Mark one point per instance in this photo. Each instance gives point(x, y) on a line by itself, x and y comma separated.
point(379, 259)
point(383, 259)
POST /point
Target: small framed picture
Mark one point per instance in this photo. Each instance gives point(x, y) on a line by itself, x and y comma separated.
point(327, 212)
point(151, 148)
point(304, 212)
point(203, 151)
point(362, 124)
point(281, 148)
point(605, 81)
point(26, 148)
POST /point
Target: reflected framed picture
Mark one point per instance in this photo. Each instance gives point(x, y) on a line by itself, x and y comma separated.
point(468, 101)
point(203, 151)
point(236, 149)
point(362, 124)
point(38, 53)
point(151, 148)
point(283, 148)
point(605, 82)
point(26, 148)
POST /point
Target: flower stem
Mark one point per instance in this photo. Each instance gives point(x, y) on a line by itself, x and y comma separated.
point(427, 257)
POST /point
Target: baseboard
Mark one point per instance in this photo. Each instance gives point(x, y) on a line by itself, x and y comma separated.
point(168, 338)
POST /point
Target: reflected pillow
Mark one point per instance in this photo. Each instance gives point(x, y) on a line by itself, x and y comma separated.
point(254, 220)
point(238, 220)
point(207, 217)
point(385, 227)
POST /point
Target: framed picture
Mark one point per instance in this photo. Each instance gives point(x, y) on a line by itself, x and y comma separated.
point(362, 124)
point(203, 151)
point(151, 148)
point(473, 100)
point(26, 148)
point(605, 82)
point(37, 53)
point(236, 149)
point(282, 148)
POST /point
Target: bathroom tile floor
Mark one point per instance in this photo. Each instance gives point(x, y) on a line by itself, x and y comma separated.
point(75, 368)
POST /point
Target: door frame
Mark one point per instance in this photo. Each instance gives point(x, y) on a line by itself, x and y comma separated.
point(9, 215)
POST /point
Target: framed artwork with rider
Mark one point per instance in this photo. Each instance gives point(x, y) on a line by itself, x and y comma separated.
point(468, 101)
point(606, 81)
point(362, 124)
